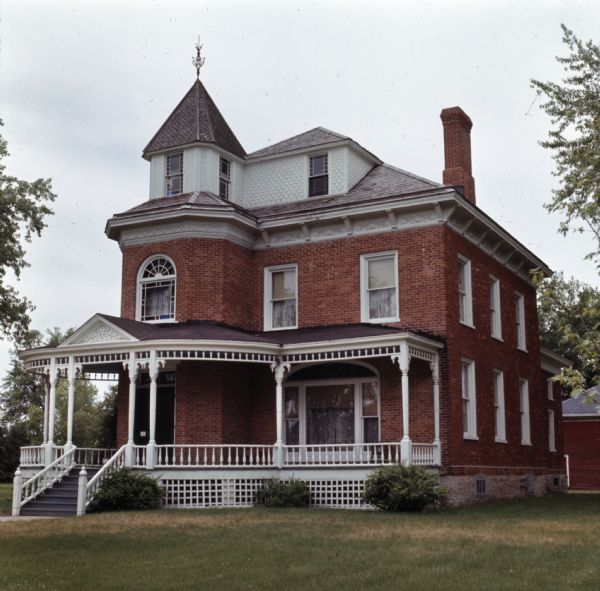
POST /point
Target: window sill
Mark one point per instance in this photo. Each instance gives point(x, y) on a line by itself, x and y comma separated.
point(161, 321)
point(269, 329)
point(553, 451)
point(522, 350)
point(526, 443)
point(500, 440)
point(381, 320)
point(499, 339)
point(470, 437)
point(467, 324)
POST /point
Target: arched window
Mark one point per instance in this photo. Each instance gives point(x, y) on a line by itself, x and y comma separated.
point(156, 290)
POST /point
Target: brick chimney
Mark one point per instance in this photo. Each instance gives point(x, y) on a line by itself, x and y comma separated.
point(457, 150)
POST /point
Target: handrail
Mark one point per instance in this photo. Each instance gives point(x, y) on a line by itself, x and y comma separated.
point(44, 479)
point(115, 463)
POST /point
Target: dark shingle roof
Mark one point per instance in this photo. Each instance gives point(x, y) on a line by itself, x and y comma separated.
point(308, 139)
point(209, 330)
point(196, 199)
point(382, 181)
point(196, 119)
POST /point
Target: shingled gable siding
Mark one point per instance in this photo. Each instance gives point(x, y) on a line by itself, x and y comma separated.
point(490, 354)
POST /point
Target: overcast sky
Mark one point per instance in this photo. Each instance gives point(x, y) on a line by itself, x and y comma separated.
point(84, 86)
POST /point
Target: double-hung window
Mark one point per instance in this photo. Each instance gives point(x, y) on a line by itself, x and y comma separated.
point(495, 314)
point(551, 431)
point(318, 175)
point(469, 407)
point(520, 321)
point(550, 387)
point(524, 412)
point(281, 300)
point(465, 297)
point(224, 177)
point(174, 176)
point(499, 412)
point(379, 287)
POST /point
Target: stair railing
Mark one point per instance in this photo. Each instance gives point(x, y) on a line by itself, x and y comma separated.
point(85, 495)
point(44, 479)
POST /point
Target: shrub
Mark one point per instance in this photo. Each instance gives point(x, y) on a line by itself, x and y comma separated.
point(127, 490)
point(402, 488)
point(283, 493)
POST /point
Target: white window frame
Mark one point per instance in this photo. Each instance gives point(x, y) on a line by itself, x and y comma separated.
point(268, 291)
point(499, 407)
point(465, 269)
point(225, 178)
point(310, 176)
point(364, 286)
point(495, 308)
point(469, 394)
point(551, 431)
point(550, 387)
point(520, 321)
point(524, 411)
point(138, 290)
point(358, 416)
point(167, 175)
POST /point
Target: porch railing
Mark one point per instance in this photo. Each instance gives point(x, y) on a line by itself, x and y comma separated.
point(200, 456)
point(47, 477)
point(354, 454)
point(33, 455)
point(424, 454)
point(89, 456)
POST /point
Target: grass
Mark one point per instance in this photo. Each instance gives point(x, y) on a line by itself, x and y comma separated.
point(5, 499)
point(547, 543)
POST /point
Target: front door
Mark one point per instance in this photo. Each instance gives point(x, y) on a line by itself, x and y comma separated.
point(165, 415)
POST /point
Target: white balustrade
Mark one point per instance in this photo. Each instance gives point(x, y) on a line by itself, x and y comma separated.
point(139, 456)
point(32, 455)
point(47, 477)
point(116, 462)
point(352, 454)
point(200, 456)
point(423, 454)
point(91, 456)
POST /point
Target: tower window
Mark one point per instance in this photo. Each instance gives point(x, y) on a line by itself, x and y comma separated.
point(224, 178)
point(318, 176)
point(174, 178)
point(156, 290)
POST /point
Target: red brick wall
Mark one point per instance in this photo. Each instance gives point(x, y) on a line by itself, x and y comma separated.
point(489, 354)
point(582, 443)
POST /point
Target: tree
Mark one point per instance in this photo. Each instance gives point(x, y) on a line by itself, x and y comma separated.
point(574, 108)
point(24, 207)
point(569, 318)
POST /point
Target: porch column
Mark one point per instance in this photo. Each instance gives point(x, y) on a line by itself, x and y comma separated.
point(72, 380)
point(46, 386)
point(52, 379)
point(132, 368)
point(151, 448)
point(435, 373)
point(406, 444)
point(279, 370)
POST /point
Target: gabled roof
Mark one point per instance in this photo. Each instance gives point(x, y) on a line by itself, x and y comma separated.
point(196, 119)
point(307, 139)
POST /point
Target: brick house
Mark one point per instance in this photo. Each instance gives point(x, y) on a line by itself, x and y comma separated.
point(307, 310)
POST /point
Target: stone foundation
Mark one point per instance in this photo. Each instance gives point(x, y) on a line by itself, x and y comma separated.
point(465, 490)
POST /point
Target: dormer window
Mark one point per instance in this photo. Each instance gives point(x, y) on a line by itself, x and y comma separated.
point(318, 176)
point(156, 290)
point(224, 178)
point(174, 178)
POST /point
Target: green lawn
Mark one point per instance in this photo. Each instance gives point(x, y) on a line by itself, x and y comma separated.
point(549, 543)
point(5, 499)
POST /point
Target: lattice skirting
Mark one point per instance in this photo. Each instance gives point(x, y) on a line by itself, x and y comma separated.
point(200, 493)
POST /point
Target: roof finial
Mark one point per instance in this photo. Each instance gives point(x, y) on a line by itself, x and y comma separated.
point(198, 61)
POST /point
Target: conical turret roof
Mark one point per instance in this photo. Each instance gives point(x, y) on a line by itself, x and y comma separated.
point(196, 119)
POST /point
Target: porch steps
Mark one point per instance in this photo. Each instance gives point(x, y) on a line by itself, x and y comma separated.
point(61, 499)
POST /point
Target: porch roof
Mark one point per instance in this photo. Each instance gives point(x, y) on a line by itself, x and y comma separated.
point(107, 342)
